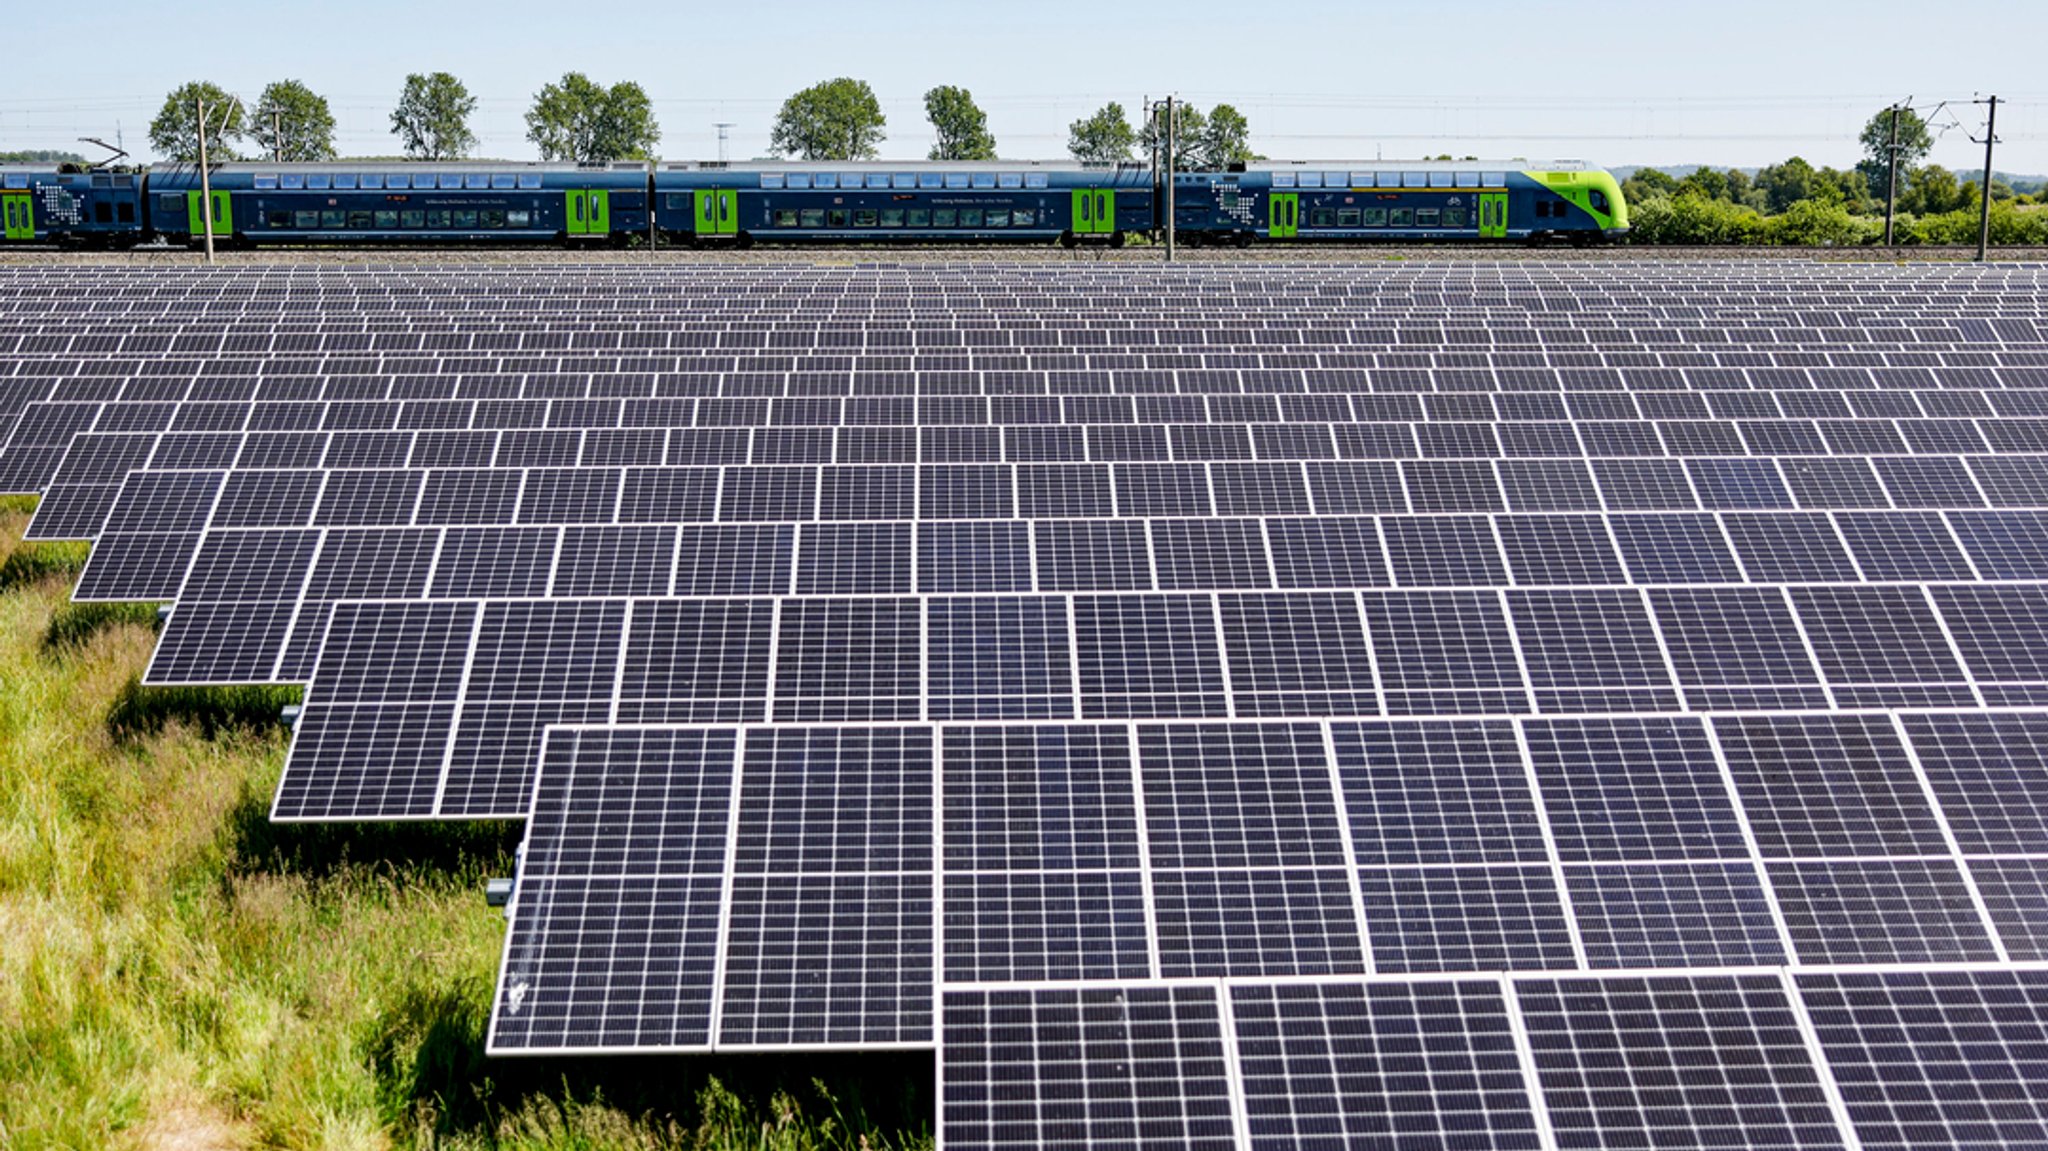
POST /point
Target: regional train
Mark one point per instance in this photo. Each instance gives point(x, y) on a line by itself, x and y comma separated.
point(743, 204)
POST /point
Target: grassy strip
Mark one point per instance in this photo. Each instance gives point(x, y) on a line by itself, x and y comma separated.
point(177, 971)
point(75, 623)
point(34, 562)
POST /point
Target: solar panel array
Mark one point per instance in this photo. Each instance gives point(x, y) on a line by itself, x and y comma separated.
point(1490, 705)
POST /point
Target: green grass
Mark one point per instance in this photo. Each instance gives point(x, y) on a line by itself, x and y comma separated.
point(178, 972)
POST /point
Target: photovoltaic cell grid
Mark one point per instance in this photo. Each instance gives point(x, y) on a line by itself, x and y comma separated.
point(1282, 706)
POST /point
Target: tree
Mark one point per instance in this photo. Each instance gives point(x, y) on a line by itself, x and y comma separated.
point(836, 120)
point(174, 134)
point(1644, 183)
point(432, 117)
point(1104, 138)
point(1189, 126)
point(1705, 183)
point(961, 125)
point(1225, 140)
point(1935, 190)
point(584, 121)
point(1788, 183)
point(291, 122)
point(1913, 143)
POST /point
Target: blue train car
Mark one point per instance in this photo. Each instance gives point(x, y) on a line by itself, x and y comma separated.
point(402, 202)
point(1400, 200)
point(63, 204)
point(923, 202)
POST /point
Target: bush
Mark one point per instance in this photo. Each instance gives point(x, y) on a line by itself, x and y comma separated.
point(1811, 223)
point(1688, 219)
point(2011, 226)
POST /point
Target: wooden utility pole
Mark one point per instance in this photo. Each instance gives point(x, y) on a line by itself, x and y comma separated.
point(1891, 184)
point(1984, 207)
point(1170, 144)
point(205, 178)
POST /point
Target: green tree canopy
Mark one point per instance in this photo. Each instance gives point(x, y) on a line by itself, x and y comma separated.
point(1705, 183)
point(1225, 140)
point(836, 120)
point(582, 120)
point(1913, 143)
point(1788, 183)
point(961, 125)
point(1935, 190)
point(1644, 183)
point(1189, 126)
point(1104, 138)
point(292, 122)
point(432, 117)
point(174, 134)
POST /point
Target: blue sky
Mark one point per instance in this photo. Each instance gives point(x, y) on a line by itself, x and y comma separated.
point(1736, 82)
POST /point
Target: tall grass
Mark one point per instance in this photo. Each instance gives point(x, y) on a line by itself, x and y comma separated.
point(176, 971)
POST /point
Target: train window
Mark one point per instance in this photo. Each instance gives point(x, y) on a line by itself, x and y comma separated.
point(1427, 217)
point(124, 181)
point(1454, 217)
point(865, 218)
point(504, 180)
point(903, 180)
point(491, 217)
point(1283, 179)
point(982, 179)
point(956, 179)
point(170, 203)
point(785, 217)
point(292, 180)
point(771, 180)
point(998, 219)
point(264, 183)
point(1347, 217)
point(1441, 179)
point(102, 212)
point(345, 182)
point(125, 212)
point(277, 219)
point(15, 180)
point(306, 220)
point(812, 217)
point(1024, 218)
point(930, 180)
point(465, 218)
point(799, 179)
point(1493, 179)
point(447, 180)
point(412, 219)
point(398, 180)
point(1598, 199)
point(1415, 179)
point(529, 179)
point(1226, 199)
point(1543, 209)
point(334, 219)
point(1010, 180)
point(1336, 180)
point(1401, 218)
point(359, 220)
point(945, 217)
point(676, 201)
point(892, 217)
point(1322, 217)
point(970, 217)
point(920, 218)
point(827, 180)
point(836, 218)
point(518, 218)
point(1361, 179)
point(1036, 180)
point(386, 221)
point(437, 219)
point(878, 179)
point(372, 180)
point(1309, 180)
point(476, 180)
point(1468, 179)
point(319, 181)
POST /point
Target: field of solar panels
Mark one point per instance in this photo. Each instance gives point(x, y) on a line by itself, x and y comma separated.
point(1524, 704)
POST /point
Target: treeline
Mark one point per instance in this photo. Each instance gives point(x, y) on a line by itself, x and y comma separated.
point(584, 121)
point(1797, 203)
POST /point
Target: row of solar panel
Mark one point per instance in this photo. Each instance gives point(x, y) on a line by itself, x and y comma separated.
point(1536, 491)
point(1896, 1060)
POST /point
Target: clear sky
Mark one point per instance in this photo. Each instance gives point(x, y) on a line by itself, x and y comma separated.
point(1732, 83)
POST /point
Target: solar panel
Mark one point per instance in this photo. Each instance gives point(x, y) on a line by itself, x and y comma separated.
point(1279, 705)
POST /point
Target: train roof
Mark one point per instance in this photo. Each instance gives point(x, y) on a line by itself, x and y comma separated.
point(889, 166)
point(437, 165)
point(1517, 163)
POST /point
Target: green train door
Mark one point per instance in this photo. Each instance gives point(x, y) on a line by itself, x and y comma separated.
point(589, 213)
point(1493, 215)
point(223, 215)
point(718, 212)
point(1283, 216)
point(1094, 212)
point(19, 214)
